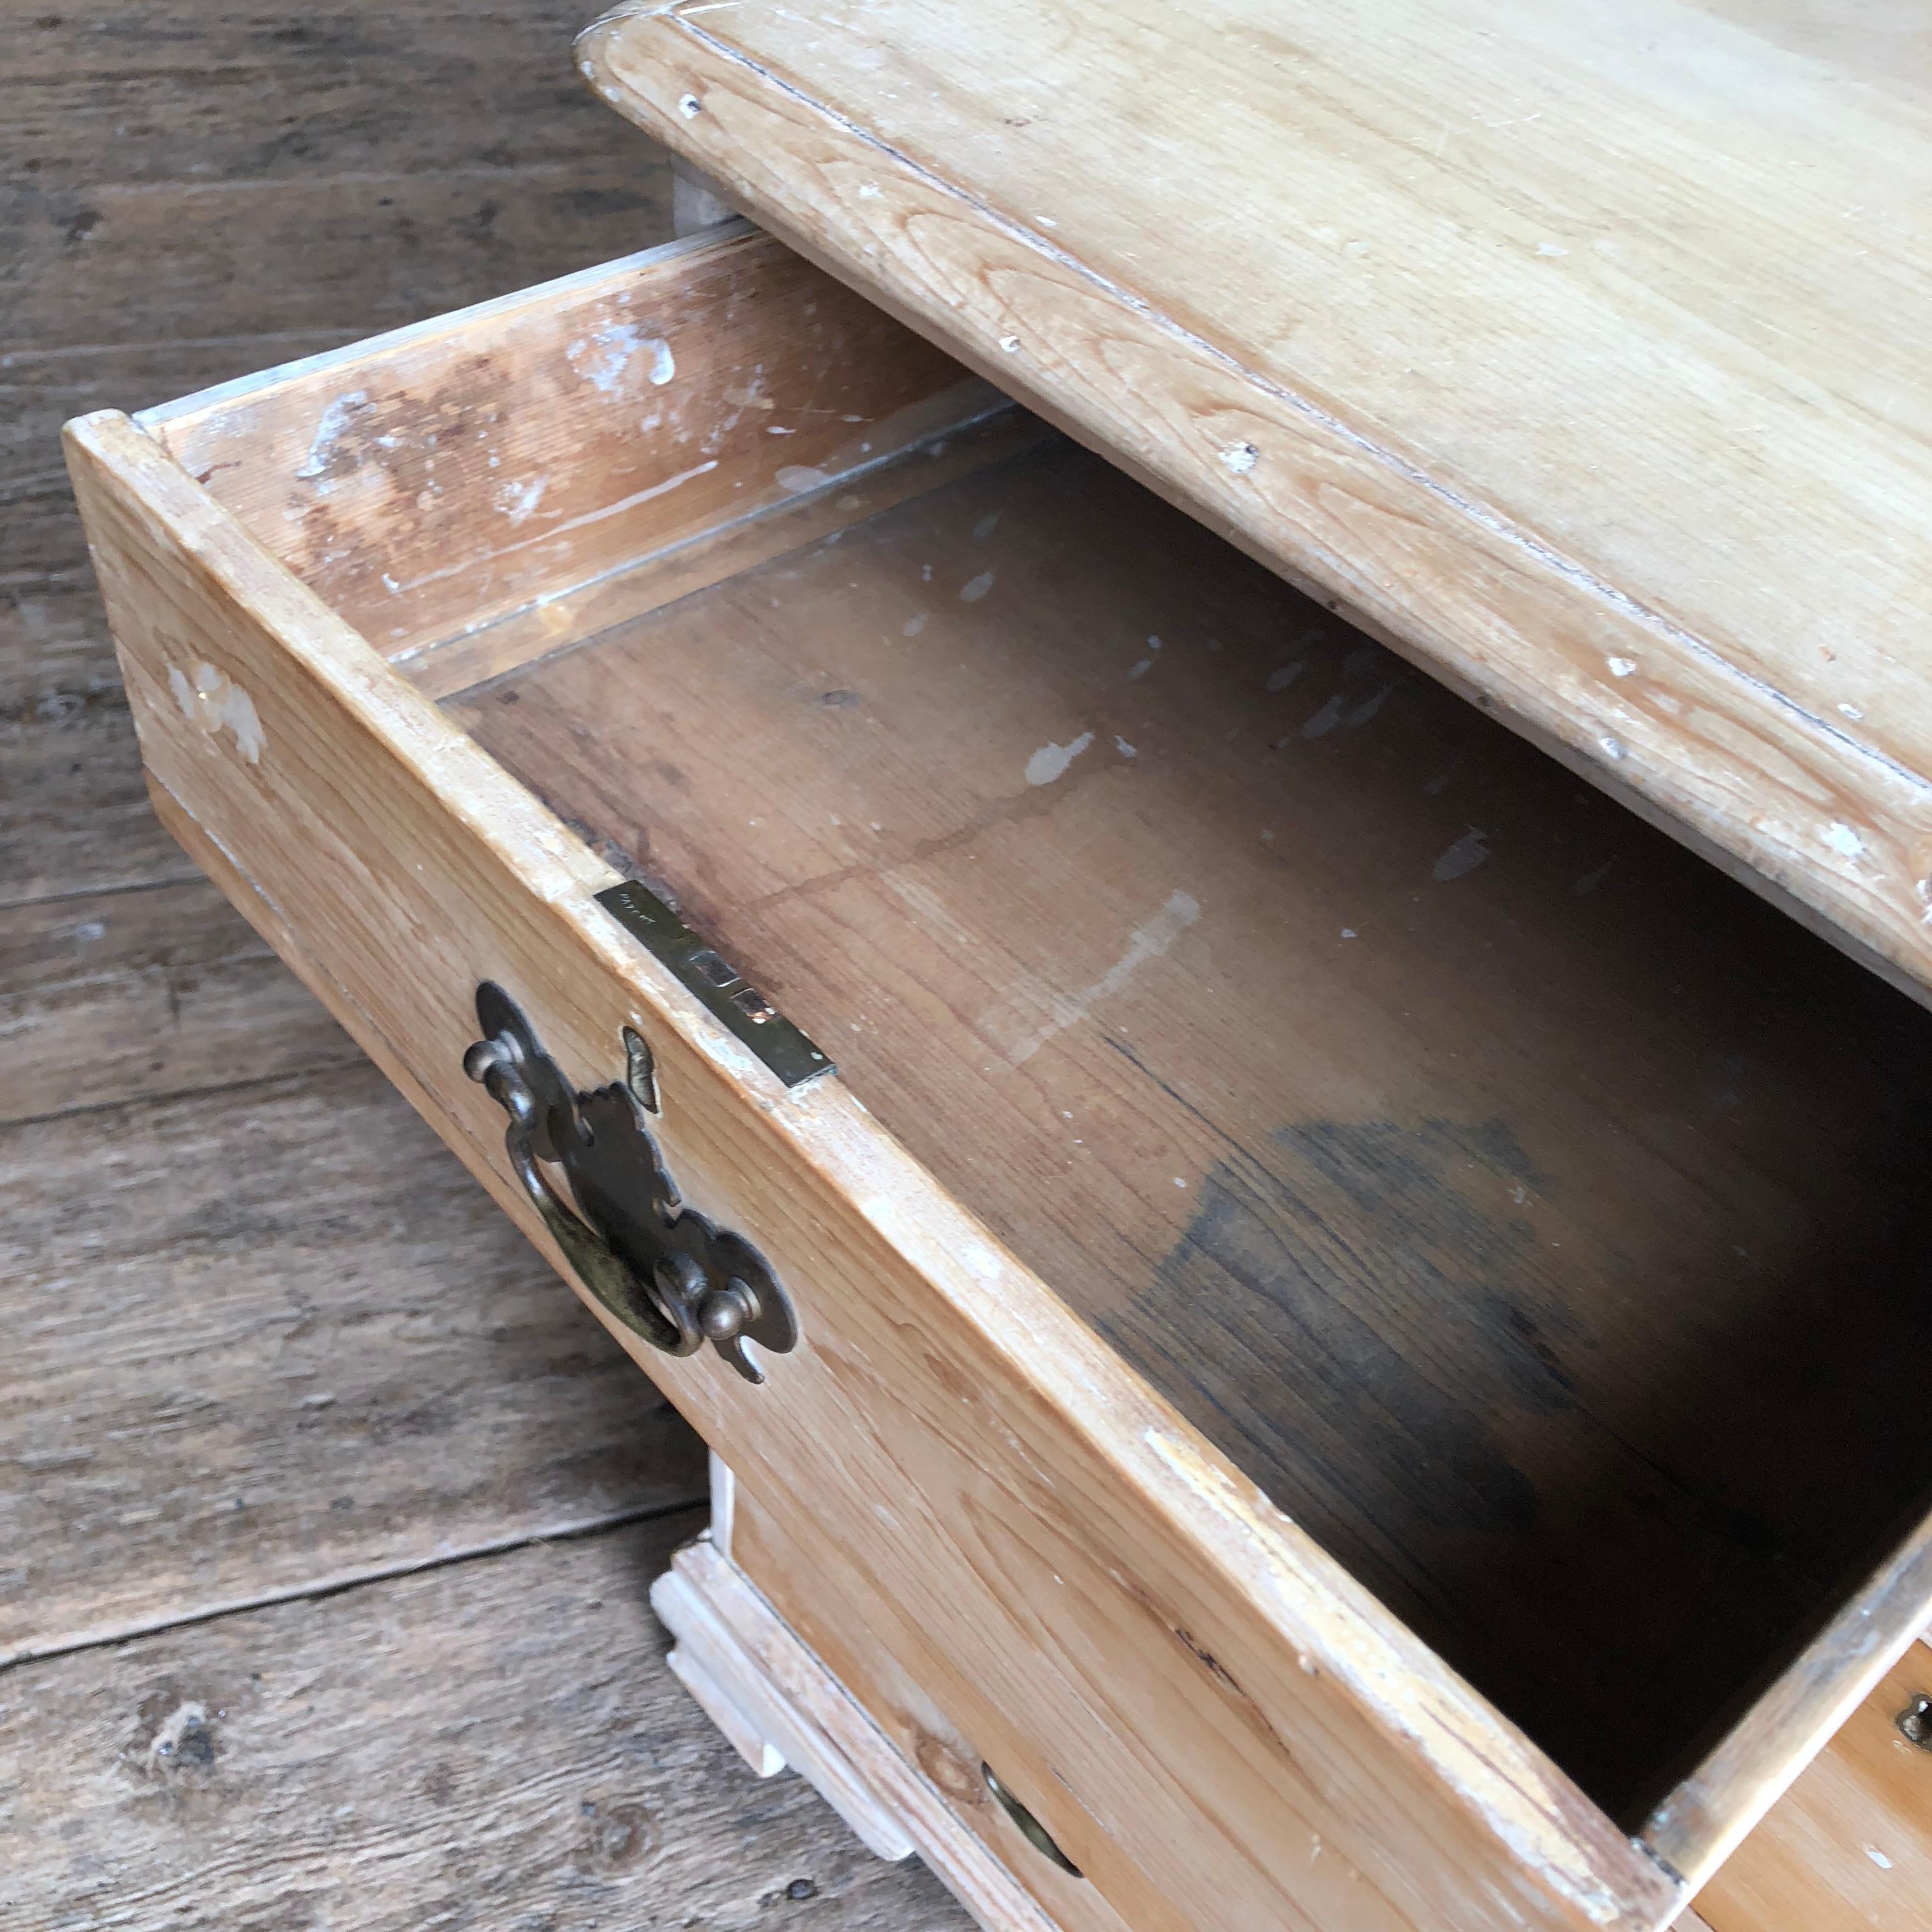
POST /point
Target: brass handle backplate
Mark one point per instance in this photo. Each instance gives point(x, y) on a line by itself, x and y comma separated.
point(662, 1269)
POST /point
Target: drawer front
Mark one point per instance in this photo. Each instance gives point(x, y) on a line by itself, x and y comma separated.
point(1849, 1847)
point(1198, 1704)
point(792, 1574)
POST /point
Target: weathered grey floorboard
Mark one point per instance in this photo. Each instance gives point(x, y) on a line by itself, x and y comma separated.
point(493, 1744)
point(189, 90)
point(74, 814)
point(116, 996)
point(267, 1338)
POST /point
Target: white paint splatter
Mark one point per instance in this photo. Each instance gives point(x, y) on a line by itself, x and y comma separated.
point(1325, 720)
point(215, 703)
point(596, 516)
point(1622, 667)
point(1843, 841)
point(1241, 457)
point(664, 364)
point(913, 626)
point(1349, 932)
point(330, 428)
point(602, 357)
point(1550, 248)
point(797, 477)
point(518, 500)
point(1050, 761)
point(1141, 669)
point(987, 524)
point(1464, 855)
point(1148, 941)
point(975, 588)
point(1878, 1857)
point(980, 1261)
point(1367, 709)
point(1126, 750)
point(1852, 711)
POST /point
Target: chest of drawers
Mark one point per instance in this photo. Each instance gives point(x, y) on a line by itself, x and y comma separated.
point(1343, 1342)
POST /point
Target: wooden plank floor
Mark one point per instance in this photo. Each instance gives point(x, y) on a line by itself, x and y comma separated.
point(326, 1515)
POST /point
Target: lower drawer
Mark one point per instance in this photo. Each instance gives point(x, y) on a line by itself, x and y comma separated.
point(1356, 1310)
point(1849, 1847)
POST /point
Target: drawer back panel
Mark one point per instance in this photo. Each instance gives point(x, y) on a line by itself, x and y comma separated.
point(429, 483)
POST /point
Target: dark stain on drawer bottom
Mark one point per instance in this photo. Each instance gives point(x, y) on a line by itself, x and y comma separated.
point(1606, 1518)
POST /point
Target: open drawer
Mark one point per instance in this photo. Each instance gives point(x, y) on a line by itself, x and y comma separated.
point(1360, 1312)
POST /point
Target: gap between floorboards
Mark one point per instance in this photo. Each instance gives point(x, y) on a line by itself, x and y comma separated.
point(126, 1632)
point(354, 1057)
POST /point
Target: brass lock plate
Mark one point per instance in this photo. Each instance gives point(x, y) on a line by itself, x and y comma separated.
point(718, 986)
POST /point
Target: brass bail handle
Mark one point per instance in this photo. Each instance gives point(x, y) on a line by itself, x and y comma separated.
point(662, 1269)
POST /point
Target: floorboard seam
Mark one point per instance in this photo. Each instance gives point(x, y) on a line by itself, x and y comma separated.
point(113, 889)
point(342, 1584)
point(351, 1059)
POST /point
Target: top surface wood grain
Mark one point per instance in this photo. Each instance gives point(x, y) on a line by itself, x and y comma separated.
point(1576, 348)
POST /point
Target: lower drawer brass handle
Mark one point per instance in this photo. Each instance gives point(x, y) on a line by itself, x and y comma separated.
point(663, 1269)
point(1030, 1829)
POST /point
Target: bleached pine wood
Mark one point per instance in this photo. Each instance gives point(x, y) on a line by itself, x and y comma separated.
point(427, 482)
point(1849, 1847)
point(766, 1726)
point(1702, 1823)
point(937, 1768)
point(712, 1607)
point(935, 1368)
point(1574, 351)
point(556, 622)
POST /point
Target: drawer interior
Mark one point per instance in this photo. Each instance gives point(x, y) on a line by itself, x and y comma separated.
point(1529, 1208)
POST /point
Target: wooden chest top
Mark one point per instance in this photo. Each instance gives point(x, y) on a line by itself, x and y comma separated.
point(1577, 350)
